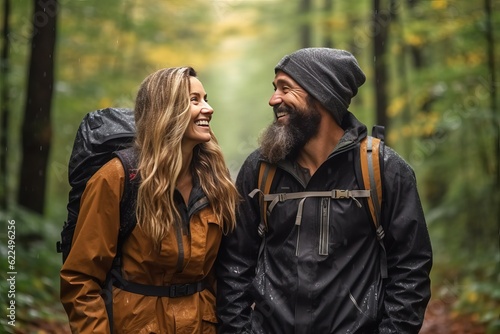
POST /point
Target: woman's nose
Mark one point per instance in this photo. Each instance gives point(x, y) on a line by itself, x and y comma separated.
point(207, 109)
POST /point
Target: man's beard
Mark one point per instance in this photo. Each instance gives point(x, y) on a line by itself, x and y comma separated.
point(281, 140)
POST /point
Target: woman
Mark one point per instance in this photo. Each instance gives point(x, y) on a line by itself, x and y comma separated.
point(185, 201)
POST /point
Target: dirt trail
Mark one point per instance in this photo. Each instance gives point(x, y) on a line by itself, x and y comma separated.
point(438, 320)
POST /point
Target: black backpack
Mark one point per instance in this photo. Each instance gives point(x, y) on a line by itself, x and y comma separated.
point(102, 135)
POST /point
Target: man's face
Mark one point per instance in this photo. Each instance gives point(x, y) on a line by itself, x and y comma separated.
point(286, 92)
point(297, 120)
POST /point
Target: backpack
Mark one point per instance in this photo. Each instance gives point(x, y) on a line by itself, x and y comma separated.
point(101, 134)
point(369, 179)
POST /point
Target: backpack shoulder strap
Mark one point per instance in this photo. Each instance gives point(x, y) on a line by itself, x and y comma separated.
point(266, 175)
point(370, 169)
point(369, 157)
point(128, 157)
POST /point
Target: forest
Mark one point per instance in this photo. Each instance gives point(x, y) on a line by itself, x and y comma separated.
point(433, 81)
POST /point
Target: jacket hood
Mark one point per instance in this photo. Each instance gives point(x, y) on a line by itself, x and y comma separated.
point(354, 129)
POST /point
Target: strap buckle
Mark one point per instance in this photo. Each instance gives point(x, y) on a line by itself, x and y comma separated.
point(282, 197)
point(179, 290)
point(337, 193)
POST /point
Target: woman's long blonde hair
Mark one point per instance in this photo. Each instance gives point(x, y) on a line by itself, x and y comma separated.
point(162, 115)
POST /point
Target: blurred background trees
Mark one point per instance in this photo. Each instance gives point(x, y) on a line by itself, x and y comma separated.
point(433, 81)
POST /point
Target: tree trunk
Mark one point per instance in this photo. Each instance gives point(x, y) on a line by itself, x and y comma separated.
point(403, 81)
point(4, 110)
point(381, 20)
point(327, 25)
point(305, 30)
point(492, 83)
point(416, 51)
point(36, 128)
point(493, 102)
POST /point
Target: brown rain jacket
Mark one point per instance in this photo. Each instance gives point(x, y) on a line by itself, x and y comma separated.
point(93, 250)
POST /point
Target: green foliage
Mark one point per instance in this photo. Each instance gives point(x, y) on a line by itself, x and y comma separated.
point(454, 134)
point(481, 293)
point(471, 287)
point(35, 269)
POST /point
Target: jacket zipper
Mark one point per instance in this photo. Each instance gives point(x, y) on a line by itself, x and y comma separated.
point(324, 226)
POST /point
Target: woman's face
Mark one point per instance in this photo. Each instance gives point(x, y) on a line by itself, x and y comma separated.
point(198, 130)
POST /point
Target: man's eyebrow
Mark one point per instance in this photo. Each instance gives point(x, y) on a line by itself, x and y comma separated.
point(282, 81)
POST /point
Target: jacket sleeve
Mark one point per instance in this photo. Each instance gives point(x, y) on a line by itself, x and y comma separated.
point(93, 249)
point(237, 257)
point(408, 247)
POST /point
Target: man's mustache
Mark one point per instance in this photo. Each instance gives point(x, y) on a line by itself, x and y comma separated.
point(282, 108)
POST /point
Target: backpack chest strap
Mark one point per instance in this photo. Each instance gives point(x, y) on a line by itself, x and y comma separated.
point(282, 197)
point(303, 195)
point(334, 194)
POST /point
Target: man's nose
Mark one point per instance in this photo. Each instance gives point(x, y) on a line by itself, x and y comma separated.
point(275, 99)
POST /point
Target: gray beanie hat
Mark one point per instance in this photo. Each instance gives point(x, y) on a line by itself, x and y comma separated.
point(331, 76)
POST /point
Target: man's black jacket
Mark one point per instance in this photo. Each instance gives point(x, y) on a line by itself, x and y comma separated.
point(297, 290)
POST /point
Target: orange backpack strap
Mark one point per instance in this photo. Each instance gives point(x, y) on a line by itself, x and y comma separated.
point(372, 180)
point(370, 168)
point(266, 175)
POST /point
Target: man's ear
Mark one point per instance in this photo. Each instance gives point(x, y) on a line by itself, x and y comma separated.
point(322, 110)
point(325, 114)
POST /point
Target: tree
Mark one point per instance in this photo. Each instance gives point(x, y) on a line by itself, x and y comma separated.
point(381, 20)
point(4, 111)
point(490, 40)
point(327, 25)
point(416, 50)
point(36, 128)
point(305, 29)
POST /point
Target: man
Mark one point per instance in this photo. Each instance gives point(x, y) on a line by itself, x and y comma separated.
point(317, 269)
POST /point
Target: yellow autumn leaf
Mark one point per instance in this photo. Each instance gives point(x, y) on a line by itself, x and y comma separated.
point(392, 137)
point(414, 40)
point(165, 56)
point(472, 297)
point(474, 59)
point(439, 4)
point(396, 107)
point(429, 122)
point(105, 102)
point(37, 283)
